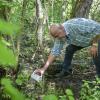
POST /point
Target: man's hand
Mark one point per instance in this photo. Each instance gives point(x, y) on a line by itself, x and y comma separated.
point(40, 71)
point(44, 68)
point(94, 50)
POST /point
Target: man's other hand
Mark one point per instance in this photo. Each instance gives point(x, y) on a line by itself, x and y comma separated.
point(94, 50)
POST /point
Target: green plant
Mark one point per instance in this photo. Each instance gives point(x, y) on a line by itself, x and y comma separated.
point(90, 90)
point(70, 94)
point(10, 90)
point(50, 97)
point(7, 60)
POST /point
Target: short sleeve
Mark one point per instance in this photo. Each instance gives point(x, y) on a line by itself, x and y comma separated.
point(58, 45)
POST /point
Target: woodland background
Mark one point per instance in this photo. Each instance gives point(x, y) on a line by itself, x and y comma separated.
point(25, 44)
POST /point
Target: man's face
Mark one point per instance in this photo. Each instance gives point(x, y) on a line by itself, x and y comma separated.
point(57, 32)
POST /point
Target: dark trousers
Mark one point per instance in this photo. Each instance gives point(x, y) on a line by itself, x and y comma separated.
point(71, 49)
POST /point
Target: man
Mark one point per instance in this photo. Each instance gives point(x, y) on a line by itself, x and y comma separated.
point(79, 33)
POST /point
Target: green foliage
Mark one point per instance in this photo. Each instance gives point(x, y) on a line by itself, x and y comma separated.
point(62, 97)
point(22, 77)
point(70, 94)
point(4, 3)
point(9, 89)
point(8, 28)
point(90, 90)
point(15, 15)
point(55, 11)
point(6, 56)
point(50, 97)
point(95, 10)
point(19, 81)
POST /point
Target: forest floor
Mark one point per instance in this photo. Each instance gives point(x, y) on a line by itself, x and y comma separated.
point(73, 81)
point(59, 85)
point(31, 60)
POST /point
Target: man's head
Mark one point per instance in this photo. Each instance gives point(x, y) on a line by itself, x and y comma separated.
point(57, 31)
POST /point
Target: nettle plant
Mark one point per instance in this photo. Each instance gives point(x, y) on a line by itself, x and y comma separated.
point(90, 90)
point(68, 96)
point(8, 60)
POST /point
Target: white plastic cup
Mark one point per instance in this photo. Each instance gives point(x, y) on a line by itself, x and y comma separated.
point(36, 77)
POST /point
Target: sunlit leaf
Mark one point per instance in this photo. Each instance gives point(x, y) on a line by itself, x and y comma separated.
point(8, 28)
point(4, 3)
point(70, 94)
point(19, 81)
point(4, 41)
point(50, 97)
point(12, 91)
point(6, 56)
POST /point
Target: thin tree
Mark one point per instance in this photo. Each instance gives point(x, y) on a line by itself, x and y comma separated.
point(39, 15)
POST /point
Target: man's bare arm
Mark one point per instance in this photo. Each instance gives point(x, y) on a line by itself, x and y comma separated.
point(51, 58)
point(41, 71)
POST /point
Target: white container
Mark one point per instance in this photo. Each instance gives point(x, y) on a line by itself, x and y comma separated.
point(36, 77)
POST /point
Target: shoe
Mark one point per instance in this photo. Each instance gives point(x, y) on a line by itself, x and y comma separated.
point(63, 73)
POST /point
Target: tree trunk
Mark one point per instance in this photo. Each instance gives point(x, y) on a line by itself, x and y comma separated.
point(40, 18)
point(81, 8)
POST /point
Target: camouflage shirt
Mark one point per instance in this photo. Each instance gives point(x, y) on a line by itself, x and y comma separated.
point(79, 32)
